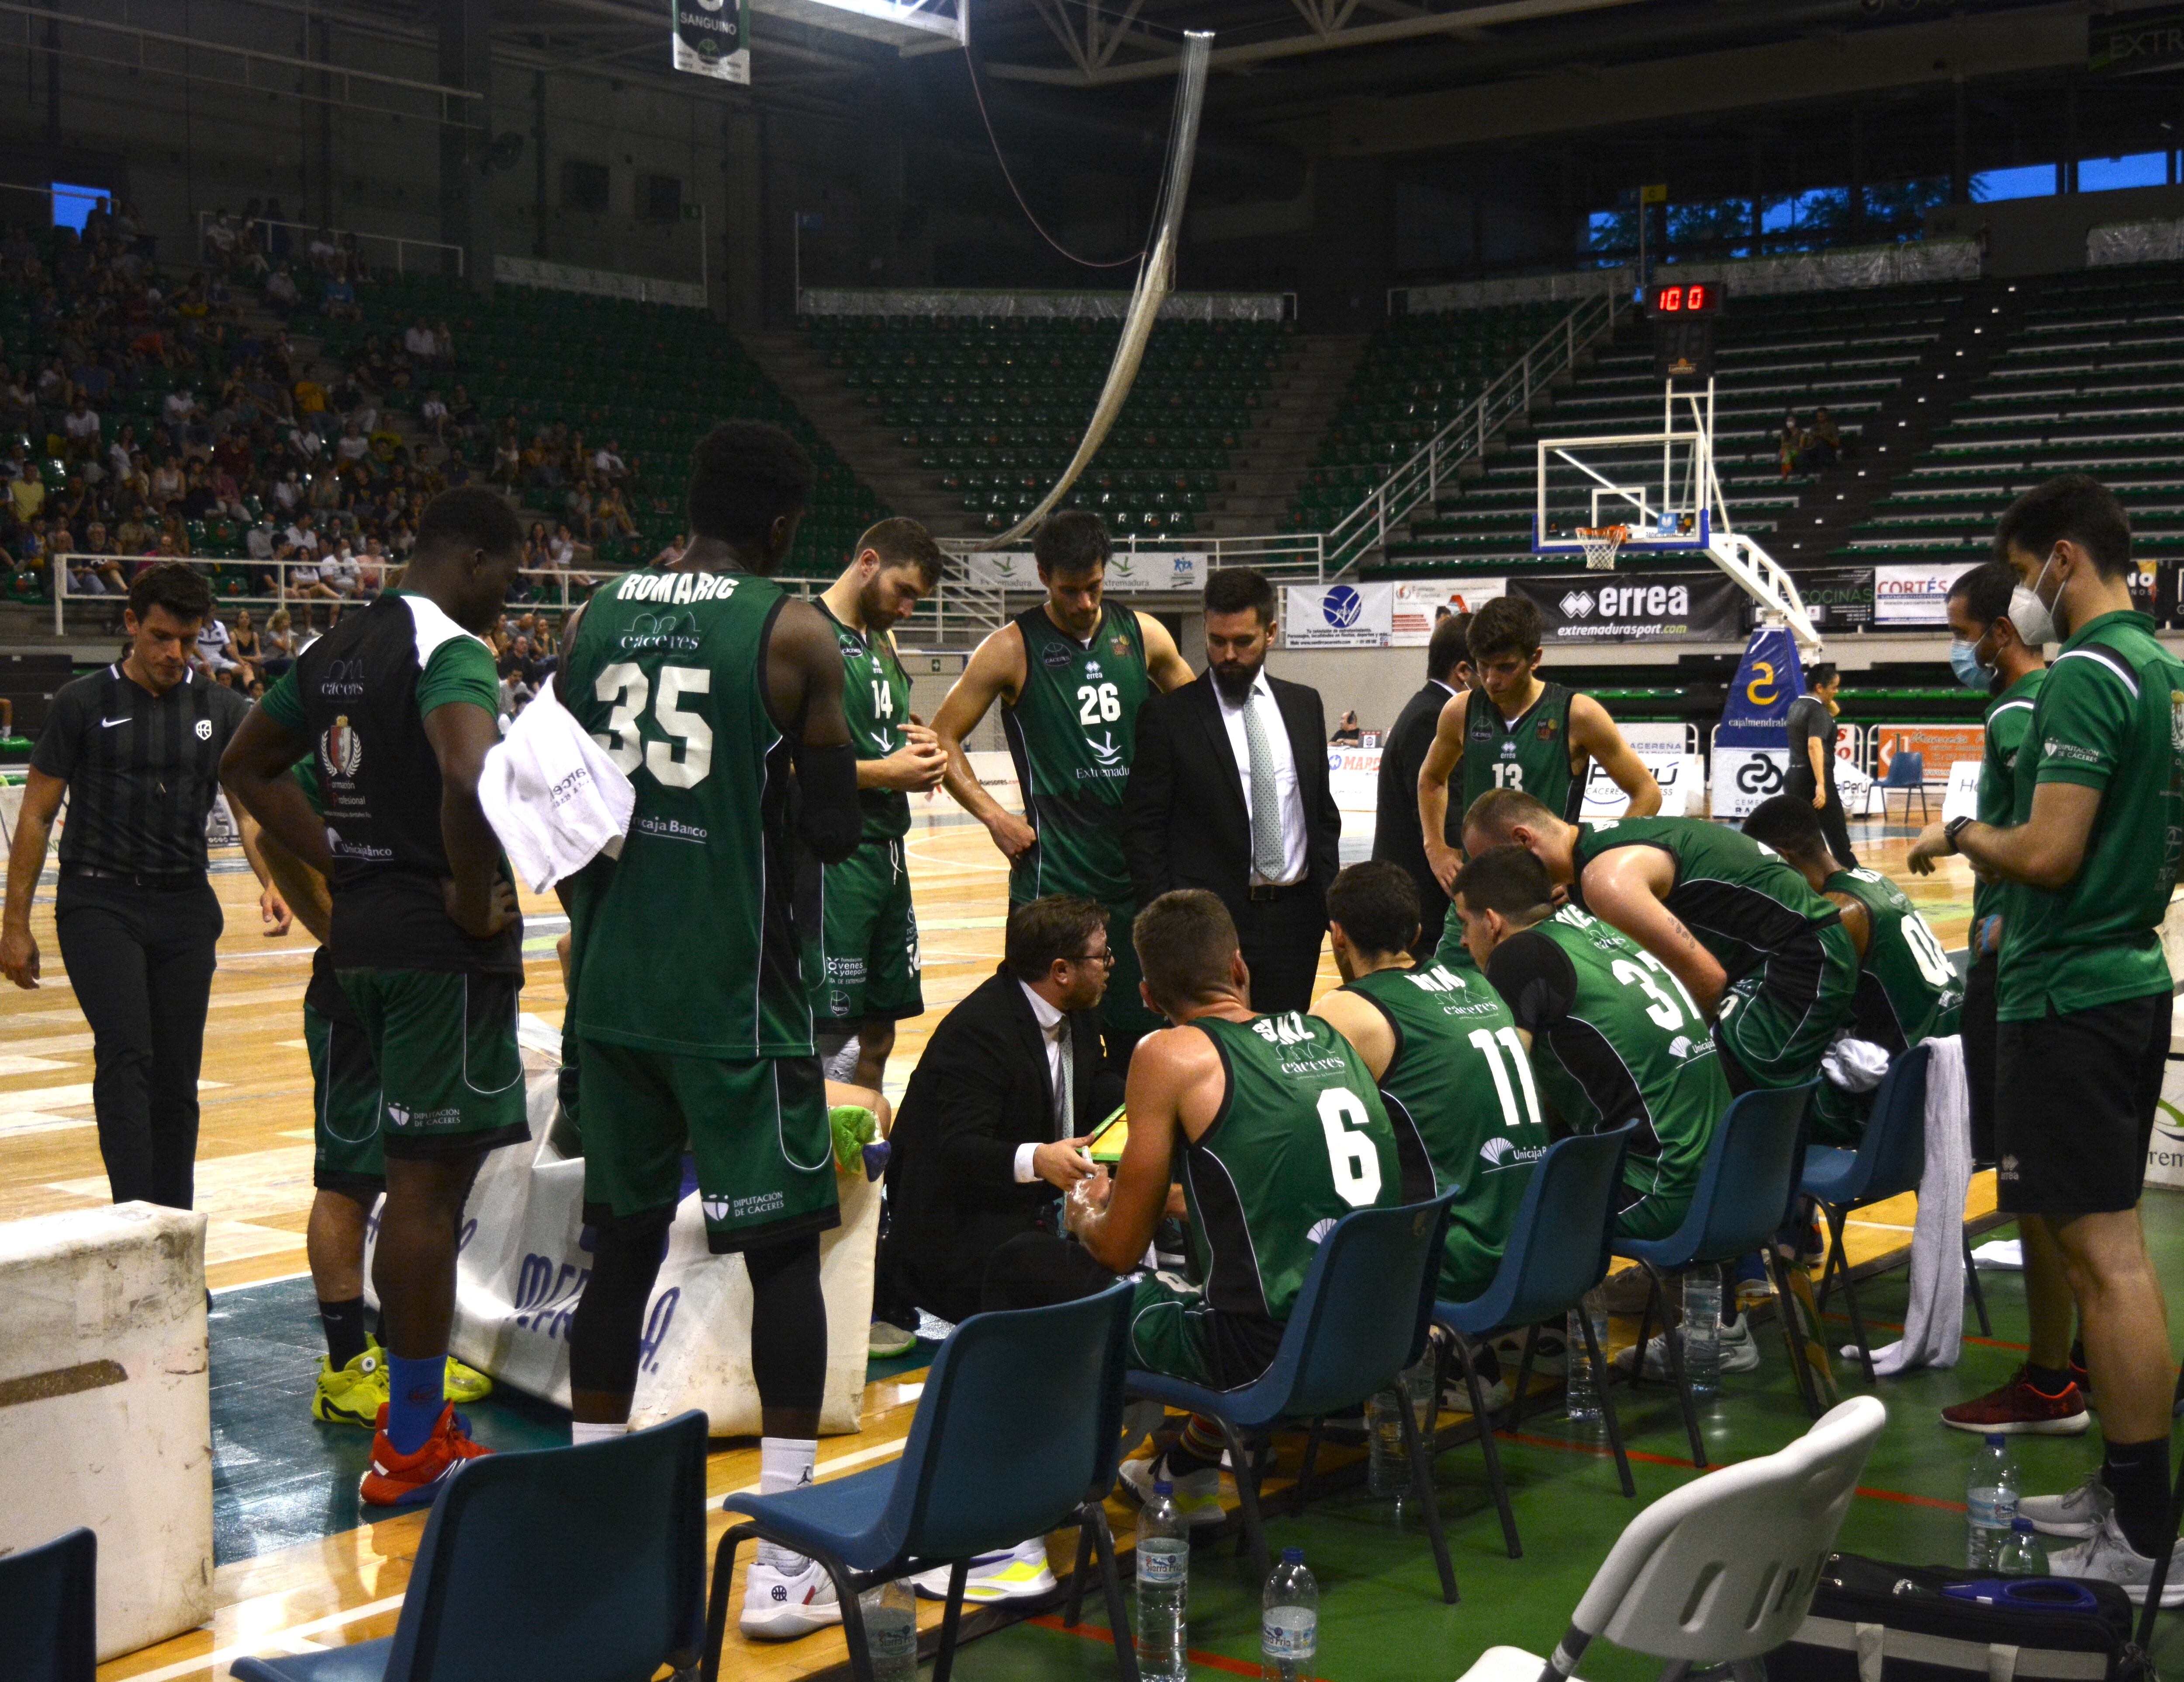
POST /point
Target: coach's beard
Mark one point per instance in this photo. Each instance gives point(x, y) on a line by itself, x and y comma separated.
point(1235, 680)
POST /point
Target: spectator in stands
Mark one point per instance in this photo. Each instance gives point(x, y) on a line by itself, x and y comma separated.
point(1789, 444)
point(606, 461)
point(1811, 778)
point(418, 341)
point(282, 296)
point(81, 427)
point(245, 647)
point(507, 456)
point(1347, 733)
point(212, 644)
point(337, 299)
point(433, 413)
point(610, 518)
point(220, 240)
point(280, 644)
point(1823, 445)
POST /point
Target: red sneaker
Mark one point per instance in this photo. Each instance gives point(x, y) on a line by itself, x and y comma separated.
point(2017, 1409)
point(398, 1479)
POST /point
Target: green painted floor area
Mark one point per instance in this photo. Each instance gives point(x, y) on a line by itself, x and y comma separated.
point(1381, 1618)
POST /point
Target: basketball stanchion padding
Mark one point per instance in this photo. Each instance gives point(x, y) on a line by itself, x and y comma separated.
point(105, 1407)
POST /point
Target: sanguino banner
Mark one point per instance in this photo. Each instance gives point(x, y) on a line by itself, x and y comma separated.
point(1607, 607)
point(712, 38)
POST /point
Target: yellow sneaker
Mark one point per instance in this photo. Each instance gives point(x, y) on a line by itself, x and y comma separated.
point(464, 1384)
point(352, 1395)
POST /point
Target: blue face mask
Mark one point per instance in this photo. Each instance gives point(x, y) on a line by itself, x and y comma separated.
point(1964, 661)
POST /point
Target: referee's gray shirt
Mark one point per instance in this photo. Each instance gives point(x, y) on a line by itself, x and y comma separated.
point(142, 769)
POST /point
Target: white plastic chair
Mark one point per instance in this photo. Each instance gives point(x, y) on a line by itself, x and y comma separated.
point(1721, 1571)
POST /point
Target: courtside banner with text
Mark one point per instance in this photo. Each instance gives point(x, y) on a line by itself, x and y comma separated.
point(1836, 598)
point(712, 38)
point(1915, 595)
point(1605, 608)
point(1421, 604)
point(1337, 616)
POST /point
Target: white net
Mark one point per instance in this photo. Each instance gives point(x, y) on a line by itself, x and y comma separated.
point(1600, 543)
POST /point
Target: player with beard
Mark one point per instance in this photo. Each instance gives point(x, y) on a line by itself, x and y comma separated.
point(1070, 674)
point(862, 967)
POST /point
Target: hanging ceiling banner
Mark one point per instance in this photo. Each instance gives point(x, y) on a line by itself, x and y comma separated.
point(712, 38)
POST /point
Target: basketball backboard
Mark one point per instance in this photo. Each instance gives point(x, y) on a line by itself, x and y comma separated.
point(1658, 486)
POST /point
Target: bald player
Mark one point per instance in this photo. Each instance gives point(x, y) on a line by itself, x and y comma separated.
point(1070, 674)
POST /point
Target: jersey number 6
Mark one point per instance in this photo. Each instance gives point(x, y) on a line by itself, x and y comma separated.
point(1350, 1151)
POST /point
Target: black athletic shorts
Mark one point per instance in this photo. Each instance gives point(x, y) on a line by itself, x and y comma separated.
point(2075, 1099)
point(1978, 1027)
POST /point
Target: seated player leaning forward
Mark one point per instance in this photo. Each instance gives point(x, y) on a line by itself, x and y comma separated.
point(1766, 959)
point(1907, 990)
point(1274, 1126)
point(1445, 1050)
point(1613, 1036)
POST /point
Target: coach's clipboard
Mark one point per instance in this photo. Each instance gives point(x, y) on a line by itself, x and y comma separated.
point(1108, 1139)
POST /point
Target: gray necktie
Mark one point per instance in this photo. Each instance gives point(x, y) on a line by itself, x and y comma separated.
point(1065, 1091)
point(1266, 799)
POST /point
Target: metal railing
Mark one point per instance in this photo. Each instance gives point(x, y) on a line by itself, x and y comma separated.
point(1509, 394)
point(298, 251)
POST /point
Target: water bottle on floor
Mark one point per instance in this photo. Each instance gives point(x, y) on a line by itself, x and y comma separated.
point(2022, 1554)
point(1288, 1622)
point(1581, 1385)
point(1703, 1330)
point(1386, 1472)
point(890, 1612)
point(1989, 1503)
point(1163, 1567)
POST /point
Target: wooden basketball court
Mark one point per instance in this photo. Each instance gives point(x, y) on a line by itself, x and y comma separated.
point(254, 1184)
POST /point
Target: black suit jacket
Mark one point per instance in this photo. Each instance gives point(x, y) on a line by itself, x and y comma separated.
point(1184, 821)
point(1396, 836)
point(981, 1089)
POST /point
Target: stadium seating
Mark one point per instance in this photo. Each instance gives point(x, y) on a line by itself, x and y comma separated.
point(1845, 351)
point(2091, 381)
point(650, 378)
point(995, 407)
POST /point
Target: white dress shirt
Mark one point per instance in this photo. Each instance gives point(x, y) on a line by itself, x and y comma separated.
point(1049, 1032)
point(1262, 696)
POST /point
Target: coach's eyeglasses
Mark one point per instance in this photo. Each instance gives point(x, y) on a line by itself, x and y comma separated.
point(1106, 957)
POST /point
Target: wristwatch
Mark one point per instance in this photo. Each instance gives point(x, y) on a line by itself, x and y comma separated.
point(1953, 828)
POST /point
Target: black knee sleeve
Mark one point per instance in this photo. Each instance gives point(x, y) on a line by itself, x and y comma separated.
point(608, 1329)
point(788, 1324)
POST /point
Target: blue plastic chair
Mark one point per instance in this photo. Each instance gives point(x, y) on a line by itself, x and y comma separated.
point(1546, 1268)
point(584, 1564)
point(1017, 1433)
point(1890, 1160)
point(1907, 774)
point(50, 1607)
point(1364, 1315)
point(1744, 1191)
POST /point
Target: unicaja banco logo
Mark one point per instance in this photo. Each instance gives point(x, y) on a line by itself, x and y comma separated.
point(1341, 605)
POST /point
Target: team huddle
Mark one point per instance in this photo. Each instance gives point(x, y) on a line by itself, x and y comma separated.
point(736, 969)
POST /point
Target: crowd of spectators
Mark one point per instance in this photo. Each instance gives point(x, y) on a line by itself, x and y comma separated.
point(145, 418)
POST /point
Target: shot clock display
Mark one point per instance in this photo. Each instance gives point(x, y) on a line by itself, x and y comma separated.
point(1683, 313)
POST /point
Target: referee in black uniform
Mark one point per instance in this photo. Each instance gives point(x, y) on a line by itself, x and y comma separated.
point(139, 743)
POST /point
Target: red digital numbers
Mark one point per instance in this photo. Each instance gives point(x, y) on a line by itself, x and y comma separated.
point(1672, 299)
point(1697, 300)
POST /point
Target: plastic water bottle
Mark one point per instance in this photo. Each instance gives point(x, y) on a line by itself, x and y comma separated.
point(890, 1614)
point(1386, 1470)
point(1989, 1503)
point(1288, 1622)
point(2021, 1554)
point(1163, 1588)
point(1581, 1385)
point(1703, 1330)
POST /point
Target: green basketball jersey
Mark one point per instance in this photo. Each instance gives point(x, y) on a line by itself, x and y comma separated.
point(1073, 731)
point(1907, 990)
point(688, 942)
point(2110, 716)
point(1461, 1075)
point(1301, 1140)
point(1530, 752)
point(1616, 1039)
point(2008, 718)
point(876, 696)
point(1739, 898)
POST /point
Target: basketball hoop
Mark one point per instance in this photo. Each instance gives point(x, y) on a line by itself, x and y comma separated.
point(1600, 543)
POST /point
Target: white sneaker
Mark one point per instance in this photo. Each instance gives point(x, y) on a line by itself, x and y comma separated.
point(886, 1340)
point(1739, 1352)
point(1456, 1398)
point(2078, 1513)
point(1197, 1495)
point(2108, 1556)
point(1017, 1573)
point(780, 1606)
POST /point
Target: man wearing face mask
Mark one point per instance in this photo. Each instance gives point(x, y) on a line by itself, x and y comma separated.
point(1230, 791)
point(2083, 992)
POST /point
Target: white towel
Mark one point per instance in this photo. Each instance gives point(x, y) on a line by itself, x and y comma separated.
point(1854, 1064)
point(552, 795)
point(1934, 1325)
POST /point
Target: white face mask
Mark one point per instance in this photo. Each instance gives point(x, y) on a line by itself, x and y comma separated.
point(2035, 621)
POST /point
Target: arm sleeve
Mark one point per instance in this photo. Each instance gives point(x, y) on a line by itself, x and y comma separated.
point(1536, 978)
point(2085, 721)
point(460, 669)
point(59, 742)
point(284, 703)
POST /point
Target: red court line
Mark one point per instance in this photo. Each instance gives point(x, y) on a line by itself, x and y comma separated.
point(1092, 1632)
point(1603, 1452)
